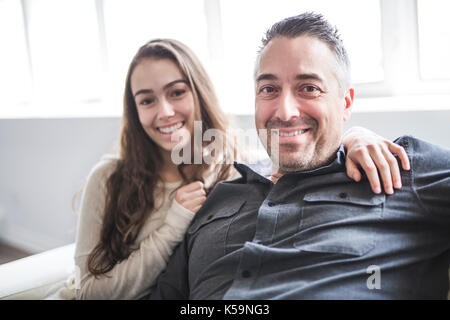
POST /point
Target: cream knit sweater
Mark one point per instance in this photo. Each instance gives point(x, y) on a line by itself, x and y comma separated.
point(131, 278)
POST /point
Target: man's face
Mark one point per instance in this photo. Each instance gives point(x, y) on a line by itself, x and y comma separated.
point(298, 94)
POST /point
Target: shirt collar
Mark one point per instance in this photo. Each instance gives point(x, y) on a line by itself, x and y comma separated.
point(261, 170)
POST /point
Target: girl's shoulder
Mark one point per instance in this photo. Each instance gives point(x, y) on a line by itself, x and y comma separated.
point(103, 169)
point(94, 191)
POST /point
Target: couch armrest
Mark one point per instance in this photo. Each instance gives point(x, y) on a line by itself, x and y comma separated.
point(36, 276)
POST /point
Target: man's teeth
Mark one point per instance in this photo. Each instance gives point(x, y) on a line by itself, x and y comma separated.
point(290, 134)
point(171, 128)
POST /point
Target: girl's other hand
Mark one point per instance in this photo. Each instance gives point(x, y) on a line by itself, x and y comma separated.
point(191, 196)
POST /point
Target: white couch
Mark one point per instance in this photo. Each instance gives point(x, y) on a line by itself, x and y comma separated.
point(42, 276)
point(39, 276)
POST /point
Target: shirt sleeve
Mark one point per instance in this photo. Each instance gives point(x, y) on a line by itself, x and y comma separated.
point(430, 174)
point(131, 278)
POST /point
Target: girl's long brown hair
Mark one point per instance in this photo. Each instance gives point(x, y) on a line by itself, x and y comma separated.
point(130, 188)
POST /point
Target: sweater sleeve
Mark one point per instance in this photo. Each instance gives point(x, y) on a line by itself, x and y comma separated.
point(131, 278)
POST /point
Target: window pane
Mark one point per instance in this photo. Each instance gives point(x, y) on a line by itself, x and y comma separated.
point(434, 39)
point(15, 80)
point(130, 24)
point(64, 44)
point(244, 23)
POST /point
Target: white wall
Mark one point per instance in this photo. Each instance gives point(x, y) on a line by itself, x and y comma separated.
point(45, 161)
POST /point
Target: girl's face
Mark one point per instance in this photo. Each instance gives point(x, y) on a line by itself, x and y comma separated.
point(164, 102)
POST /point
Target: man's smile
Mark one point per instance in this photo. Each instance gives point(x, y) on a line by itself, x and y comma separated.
point(289, 132)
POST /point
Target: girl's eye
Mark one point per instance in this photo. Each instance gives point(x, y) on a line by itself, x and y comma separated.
point(146, 102)
point(177, 93)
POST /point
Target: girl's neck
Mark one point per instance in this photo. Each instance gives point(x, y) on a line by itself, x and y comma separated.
point(170, 175)
point(169, 171)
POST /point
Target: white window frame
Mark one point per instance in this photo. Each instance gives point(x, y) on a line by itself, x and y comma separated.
point(400, 46)
point(401, 64)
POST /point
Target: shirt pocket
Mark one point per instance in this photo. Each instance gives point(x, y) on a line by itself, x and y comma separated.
point(343, 221)
point(218, 218)
point(208, 235)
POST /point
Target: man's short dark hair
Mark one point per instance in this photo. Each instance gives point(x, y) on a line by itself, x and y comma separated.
point(313, 25)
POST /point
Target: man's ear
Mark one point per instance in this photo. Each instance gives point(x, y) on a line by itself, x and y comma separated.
point(348, 104)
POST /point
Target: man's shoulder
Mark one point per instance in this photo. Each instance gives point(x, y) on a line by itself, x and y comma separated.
point(225, 193)
point(223, 202)
point(424, 156)
point(417, 146)
point(254, 170)
point(225, 199)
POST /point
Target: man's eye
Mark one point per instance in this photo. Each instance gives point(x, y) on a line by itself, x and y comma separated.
point(310, 91)
point(267, 90)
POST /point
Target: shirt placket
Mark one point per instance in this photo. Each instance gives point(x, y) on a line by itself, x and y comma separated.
point(252, 253)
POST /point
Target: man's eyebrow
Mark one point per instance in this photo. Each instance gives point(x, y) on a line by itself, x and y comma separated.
point(144, 91)
point(266, 76)
point(309, 76)
point(301, 76)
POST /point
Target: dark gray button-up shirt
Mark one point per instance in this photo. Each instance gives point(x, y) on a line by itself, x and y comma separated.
point(319, 235)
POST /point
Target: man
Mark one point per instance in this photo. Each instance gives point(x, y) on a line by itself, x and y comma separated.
point(309, 232)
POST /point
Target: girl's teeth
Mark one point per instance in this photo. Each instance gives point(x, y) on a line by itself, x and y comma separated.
point(171, 128)
point(290, 134)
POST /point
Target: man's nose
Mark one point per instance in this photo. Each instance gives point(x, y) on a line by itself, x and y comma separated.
point(288, 107)
point(166, 109)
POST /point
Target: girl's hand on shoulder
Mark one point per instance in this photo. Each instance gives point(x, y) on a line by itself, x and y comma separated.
point(191, 196)
point(375, 155)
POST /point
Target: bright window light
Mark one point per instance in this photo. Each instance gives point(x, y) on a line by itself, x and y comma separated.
point(15, 80)
point(130, 24)
point(68, 58)
point(64, 46)
point(434, 39)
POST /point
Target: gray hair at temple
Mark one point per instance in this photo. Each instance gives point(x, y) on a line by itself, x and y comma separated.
point(313, 25)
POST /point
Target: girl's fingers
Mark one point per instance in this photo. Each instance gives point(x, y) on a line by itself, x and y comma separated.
point(194, 202)
point(384, 168)
point(394, 168)
point(193, 186)
point(400, 151)
point(352, 170)
point(371, 171)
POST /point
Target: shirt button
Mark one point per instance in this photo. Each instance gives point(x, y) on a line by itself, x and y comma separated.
point(271, 204)
point(343, 195)
point(246, 274)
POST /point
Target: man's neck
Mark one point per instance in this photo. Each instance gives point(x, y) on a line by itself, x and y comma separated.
point(278, 172)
